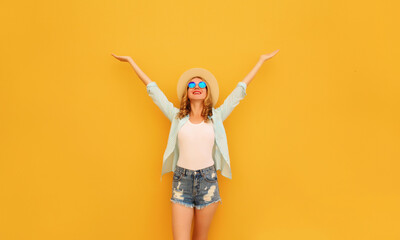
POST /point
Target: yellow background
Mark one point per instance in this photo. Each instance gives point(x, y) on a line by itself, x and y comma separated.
point(314, 145)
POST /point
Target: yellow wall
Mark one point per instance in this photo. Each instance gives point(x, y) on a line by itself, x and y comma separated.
point(314, 146)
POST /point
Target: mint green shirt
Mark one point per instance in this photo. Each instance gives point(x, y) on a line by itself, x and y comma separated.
point(220, 149)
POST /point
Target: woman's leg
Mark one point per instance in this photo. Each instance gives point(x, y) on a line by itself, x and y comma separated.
point(202, 221)
point(182, 218)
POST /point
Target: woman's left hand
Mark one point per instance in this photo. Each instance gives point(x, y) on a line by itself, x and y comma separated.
point(267, 56)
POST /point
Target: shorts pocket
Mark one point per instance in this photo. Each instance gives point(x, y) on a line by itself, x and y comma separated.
point(177, 176)
point(210, 176)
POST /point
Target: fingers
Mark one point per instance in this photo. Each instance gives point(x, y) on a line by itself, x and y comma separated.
point(121, 58)
point(114, 55)
point(270, 55)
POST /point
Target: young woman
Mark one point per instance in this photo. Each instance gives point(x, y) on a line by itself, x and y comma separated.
point(197, 145)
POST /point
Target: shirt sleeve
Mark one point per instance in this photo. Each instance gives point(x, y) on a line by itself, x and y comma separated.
point(161, 100)
point(232, 100)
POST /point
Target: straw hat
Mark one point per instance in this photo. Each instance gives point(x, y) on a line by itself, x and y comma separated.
point(212, 83)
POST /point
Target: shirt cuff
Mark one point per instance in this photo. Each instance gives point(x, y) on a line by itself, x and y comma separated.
point(149, 85)
point(243, 84)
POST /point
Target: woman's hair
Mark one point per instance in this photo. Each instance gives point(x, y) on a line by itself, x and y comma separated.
point(185, 103)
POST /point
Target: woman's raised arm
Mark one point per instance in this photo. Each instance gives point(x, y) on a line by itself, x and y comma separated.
point(240, 90)
point(145, 79)
point(253, 72)
point(153, 90)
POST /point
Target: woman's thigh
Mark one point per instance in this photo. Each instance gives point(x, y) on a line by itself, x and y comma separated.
point(202, 220)
point(182, 205)
point(182, 218)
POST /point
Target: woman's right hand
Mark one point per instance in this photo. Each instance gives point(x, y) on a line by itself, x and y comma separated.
point(122, 58)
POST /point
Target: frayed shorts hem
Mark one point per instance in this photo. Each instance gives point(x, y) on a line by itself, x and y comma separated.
point(192, 205)
point(182, 203)
point(205, 205)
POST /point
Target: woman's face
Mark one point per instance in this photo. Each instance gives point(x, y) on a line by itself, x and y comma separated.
point(197, 92)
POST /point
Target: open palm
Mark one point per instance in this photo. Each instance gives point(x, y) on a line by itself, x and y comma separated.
point(122, 58)
point(267, 56)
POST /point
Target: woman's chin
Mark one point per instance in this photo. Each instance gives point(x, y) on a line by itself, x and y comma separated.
point(197, 98)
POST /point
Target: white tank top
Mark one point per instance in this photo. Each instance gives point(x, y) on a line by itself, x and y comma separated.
point(196, 143)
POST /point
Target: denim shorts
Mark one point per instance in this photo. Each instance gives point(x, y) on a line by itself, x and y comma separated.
point(195, 188)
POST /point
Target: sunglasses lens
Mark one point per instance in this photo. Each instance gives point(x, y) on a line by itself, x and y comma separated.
point(201, 85)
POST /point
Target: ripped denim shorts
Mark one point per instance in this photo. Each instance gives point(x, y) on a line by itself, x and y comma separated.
point(195, 188)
